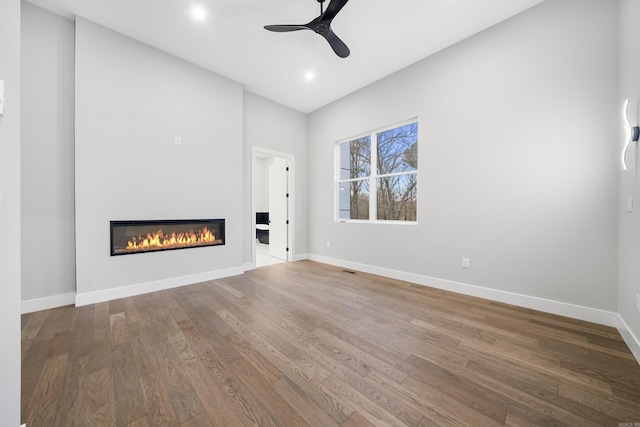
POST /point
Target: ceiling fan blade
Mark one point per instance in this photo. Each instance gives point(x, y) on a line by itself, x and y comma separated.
point(285, 28)
point(332, 10)
point(322, 26)
point(338, 46)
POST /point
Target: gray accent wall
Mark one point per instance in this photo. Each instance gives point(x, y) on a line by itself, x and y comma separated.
point(131, 102)
point(518, 164)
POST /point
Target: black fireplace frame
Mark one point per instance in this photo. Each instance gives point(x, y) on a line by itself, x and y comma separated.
point(219, 222)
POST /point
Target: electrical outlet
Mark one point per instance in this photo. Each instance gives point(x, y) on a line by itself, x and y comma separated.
point(466, 263)
point(629, 204)
point(328, 244)
point(177, 140)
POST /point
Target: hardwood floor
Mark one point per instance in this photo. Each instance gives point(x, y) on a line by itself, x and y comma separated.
point(306, 344)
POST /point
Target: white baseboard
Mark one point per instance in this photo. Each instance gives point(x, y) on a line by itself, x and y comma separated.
point(588, 314)
point(300, 257)
point(248, 266)
point(629, 337)
point(158, 285)
point(46, 303)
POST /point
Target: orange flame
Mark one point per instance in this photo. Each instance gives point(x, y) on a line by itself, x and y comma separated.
point(158, 240)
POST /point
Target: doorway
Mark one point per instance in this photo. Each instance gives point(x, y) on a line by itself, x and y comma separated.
point(272, 206)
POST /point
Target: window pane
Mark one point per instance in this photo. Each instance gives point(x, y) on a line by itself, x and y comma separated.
point(353, 199)
point(397, 197)
point(355, 158)
point(398, 150)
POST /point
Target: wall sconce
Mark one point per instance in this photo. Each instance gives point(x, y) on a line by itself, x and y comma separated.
point(632, 133)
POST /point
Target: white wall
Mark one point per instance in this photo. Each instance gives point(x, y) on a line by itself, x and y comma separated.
point(629, 232)
point(275, 127)
point(47, 127)
point(517, 161)
point(261, 188)
point(131, 101)
point(10, 215)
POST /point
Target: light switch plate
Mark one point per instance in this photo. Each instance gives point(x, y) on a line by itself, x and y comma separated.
point(629, 204)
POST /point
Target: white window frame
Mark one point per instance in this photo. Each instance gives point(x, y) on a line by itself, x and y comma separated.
point(373, 190)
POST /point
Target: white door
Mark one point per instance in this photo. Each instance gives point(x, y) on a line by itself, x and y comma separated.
point(278, 208)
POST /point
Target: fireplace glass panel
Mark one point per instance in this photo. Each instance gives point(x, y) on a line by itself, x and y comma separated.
point(131, 237)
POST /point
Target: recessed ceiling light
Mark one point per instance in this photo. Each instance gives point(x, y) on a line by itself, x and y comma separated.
point(198, 13)
point(310, 76)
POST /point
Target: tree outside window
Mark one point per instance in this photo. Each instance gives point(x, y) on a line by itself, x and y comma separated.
point(378, 175)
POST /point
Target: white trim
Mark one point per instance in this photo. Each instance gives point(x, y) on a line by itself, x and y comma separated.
point(46, 303)
point(291, 159)
point(629, 338)
point(300, 257)
point(588, 314)
point(413, 119)
point(158, 285)
point(248, 266)
point(373, 173)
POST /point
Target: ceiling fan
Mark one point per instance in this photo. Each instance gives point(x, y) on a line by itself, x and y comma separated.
point(321, 25)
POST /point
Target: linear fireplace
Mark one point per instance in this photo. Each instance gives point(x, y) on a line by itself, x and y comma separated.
point(133, 237)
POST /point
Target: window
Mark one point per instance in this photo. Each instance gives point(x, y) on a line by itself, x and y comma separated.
point(377, 175)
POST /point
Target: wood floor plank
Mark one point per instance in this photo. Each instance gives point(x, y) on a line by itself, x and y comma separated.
point(245, 403)
point(131, 314)
point(355, 357)
point(140, 422)
point(116, 306)
point(185, 400)
point(369, 409)
point(263, 367)
point(73, 400)
point(129, 401)
point(46, 392)
point(307, 344)
point(100, 400)
point(119, 333)
point(33, 324)
point(83, 334)
point(298, 355)
point(215, 400)
point(100, 349)
point(534, 401)
point(60, 344)
point(181, 347)
point(157, 401)
point(200, 420)
point(302, 379)
point(144, 352)
point(32, 367)
point(357, 420)
point(313, 415)
point(261, 387)
point(608, 404)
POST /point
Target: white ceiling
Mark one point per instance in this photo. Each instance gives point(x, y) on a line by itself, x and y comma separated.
point(384, 36)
